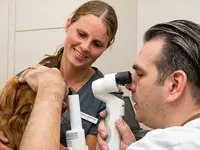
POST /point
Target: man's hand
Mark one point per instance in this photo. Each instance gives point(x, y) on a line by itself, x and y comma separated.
point(45, 80)
point(127, 137)
point(3, 139)
point(40, 76)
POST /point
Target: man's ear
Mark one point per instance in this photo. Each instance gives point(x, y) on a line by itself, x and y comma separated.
point(68, 23)
point(176, 84)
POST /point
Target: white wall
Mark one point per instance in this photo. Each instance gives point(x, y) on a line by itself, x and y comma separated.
point(3, 40)
point(151, 12)
point(122, 53)
point(43, 14)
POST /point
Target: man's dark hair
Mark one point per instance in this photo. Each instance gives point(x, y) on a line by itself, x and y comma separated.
point(181, 51)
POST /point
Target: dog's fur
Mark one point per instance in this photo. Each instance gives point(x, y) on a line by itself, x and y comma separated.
point(16, 102)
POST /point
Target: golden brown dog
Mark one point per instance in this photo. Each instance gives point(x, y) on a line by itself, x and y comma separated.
point(16, 102)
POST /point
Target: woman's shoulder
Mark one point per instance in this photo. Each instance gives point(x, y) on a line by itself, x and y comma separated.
point(98, 74)
point(19, 74)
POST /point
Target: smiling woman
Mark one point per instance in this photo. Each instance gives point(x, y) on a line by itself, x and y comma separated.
point(89, 32)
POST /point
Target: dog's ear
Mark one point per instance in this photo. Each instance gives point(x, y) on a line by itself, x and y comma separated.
point(8, 97)
point(25, 98)
point(16, 101)
point(7, 104)
point(24, 101)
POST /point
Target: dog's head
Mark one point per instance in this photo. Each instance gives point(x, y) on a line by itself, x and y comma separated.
point(16, 102)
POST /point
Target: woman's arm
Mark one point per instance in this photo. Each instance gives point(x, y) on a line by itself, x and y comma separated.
point(62, 147)
point(91, 141)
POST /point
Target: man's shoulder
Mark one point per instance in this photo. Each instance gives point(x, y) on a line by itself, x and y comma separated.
point(177, 137)
point(176, 131)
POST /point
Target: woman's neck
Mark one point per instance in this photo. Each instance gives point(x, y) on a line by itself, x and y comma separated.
point(75, 77)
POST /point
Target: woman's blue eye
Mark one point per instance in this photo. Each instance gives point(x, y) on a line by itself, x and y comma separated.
point(97, 44)
point(81, 34)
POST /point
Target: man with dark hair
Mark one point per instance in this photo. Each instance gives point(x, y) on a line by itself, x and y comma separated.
point(165, 90)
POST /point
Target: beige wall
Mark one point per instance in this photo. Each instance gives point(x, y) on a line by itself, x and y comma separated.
point(3, 41)
point(150, 12)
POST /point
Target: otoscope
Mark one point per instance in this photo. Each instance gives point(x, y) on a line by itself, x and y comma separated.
point(76, 136)
point(103, 89)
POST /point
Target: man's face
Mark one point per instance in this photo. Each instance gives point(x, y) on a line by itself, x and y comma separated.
point(148, 96)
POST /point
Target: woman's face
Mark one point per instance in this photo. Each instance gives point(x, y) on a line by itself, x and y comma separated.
point(85, 41)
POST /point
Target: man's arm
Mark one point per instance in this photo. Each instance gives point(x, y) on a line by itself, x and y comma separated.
point(43, 128)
